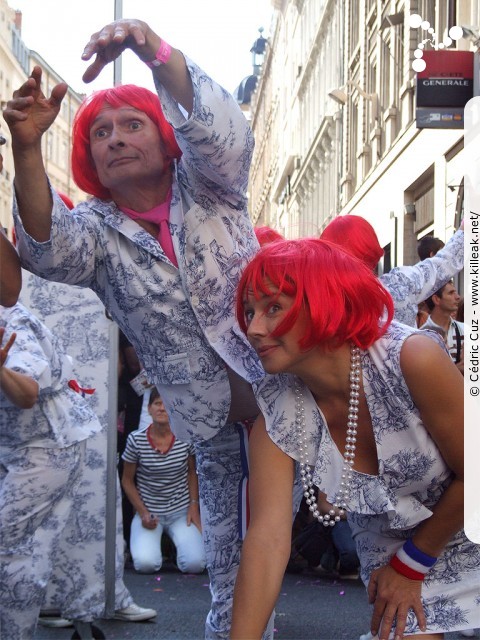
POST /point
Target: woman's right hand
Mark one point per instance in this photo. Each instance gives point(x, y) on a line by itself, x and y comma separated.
point(30, 113)
point(149, 521)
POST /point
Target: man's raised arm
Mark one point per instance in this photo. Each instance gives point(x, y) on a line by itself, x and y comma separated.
point(170, 68)
point(29, 114)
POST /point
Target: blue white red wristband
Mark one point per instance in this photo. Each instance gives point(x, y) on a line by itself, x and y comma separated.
point(162, 56)
point(412, 563)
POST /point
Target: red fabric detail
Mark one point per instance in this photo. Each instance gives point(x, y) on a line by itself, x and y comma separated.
point(73, 384)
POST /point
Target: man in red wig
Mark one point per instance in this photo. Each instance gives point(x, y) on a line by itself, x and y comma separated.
point(162, 242)
point(408, 285)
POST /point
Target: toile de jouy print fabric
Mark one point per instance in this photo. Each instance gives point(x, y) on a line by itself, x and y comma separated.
point(384, 510)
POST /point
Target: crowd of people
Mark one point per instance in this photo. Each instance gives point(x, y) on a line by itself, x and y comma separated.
point(280, 367)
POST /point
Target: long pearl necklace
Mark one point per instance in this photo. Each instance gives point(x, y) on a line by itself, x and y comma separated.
point(343, 493)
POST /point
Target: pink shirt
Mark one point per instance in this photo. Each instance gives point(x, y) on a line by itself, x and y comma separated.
point(159, 215)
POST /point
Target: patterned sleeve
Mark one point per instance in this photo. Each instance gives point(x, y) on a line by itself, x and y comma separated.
point(28, 358)
point(216, 140)
point(130, 453)
point(410, 285)
point(69, 255)
point(28, 354)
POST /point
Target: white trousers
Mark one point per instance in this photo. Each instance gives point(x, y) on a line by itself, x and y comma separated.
point(145, 544)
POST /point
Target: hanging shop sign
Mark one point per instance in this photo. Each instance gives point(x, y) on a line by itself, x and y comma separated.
point(443, 89)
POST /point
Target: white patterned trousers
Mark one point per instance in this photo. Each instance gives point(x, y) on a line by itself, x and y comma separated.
point(37, 487)
point(222, 464)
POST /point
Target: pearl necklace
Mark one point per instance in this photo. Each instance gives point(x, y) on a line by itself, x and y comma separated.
point(343, 493)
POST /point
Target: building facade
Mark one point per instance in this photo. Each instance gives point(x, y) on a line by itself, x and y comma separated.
point(333, 116)
point(16, 62)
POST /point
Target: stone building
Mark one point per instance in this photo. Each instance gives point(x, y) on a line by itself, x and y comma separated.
point(16, 62)
point(334, 120)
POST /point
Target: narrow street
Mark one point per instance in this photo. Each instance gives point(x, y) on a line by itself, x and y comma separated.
point(309, 608)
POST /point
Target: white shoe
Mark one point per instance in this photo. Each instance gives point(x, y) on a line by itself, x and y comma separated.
point(468, 633)
point(55, 622)
point(368, 636)
point(134, 613)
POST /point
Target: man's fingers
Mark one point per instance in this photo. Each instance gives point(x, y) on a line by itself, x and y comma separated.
point(138, 35)
point(94, 69)
point(58, 93)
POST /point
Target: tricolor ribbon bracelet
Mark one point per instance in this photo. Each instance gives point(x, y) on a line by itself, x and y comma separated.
point(412, 563)
point(162, 56)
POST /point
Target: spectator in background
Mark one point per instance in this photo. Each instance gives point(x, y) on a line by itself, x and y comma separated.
point(160, 480)
point(330, 551)
point(408, 285)
point(442, 304)
point(422, 314)
point(428, 246)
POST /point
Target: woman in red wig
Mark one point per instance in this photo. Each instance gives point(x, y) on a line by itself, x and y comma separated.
point(408, 285)
point(366, 430)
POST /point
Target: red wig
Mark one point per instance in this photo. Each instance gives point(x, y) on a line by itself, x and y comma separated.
point(357, 236)
point(66, 200)
point(267, 234)
point(83, 168)
point(343, 300)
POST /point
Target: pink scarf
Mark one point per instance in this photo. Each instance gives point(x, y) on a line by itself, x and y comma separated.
point(159, 215)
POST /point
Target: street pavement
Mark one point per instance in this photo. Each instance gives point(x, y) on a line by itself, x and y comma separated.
point(310, 607)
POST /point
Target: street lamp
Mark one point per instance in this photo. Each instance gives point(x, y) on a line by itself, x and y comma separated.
point(340, 96)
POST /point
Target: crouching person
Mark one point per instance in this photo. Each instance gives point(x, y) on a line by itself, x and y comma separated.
point(160, 480)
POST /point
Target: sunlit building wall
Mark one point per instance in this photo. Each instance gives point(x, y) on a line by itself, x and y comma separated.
point(295, 123)
point(316, 157)
point(16, 62)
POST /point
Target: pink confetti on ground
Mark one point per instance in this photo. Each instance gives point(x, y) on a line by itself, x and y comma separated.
point(342, 593)
point(158, 589)
point(158, 578)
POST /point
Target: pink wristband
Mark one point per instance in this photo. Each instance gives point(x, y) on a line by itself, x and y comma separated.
point(162, 56)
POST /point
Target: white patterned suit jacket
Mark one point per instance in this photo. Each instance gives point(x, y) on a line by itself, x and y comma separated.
point(180, 321)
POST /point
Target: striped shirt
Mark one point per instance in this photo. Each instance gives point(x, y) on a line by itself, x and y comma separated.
point(454, 336)
point(161, 478)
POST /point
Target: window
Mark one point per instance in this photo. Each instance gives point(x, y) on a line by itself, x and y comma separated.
point(354, 24)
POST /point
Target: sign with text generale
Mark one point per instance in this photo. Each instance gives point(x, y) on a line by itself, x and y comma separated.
point(443, 89)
